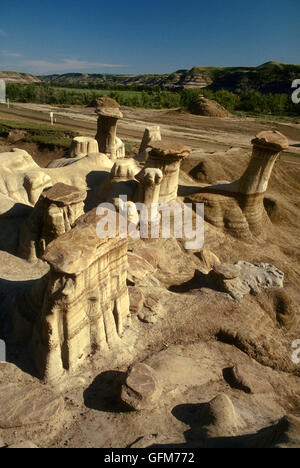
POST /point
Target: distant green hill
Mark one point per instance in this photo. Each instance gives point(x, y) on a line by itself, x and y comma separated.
point(16, 77)
point(271, 77)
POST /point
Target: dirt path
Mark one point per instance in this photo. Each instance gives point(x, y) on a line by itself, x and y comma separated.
point(201, 133)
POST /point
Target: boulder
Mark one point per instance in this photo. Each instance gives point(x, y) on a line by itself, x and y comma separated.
point(244, 378)
point(141, 389)
point(220, 416)
point(243, 278)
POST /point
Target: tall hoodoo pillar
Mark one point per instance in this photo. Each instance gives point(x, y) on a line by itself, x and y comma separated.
point(267, 146)
point(167, 158)
point(109, 113)
point(238, 207)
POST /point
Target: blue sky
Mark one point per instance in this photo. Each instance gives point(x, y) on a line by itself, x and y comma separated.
point(130, 37)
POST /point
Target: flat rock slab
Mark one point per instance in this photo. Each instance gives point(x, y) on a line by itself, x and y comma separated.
point(24, 401)
point(63, 194)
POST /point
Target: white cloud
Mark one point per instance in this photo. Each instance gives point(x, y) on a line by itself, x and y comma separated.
point(66, 65)
point(10, 54)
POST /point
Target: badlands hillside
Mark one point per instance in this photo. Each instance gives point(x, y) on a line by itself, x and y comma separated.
point(271, 77)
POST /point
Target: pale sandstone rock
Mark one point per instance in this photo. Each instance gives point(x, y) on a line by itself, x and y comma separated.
point(141, 390)
point(237, 207)
point(81, 146)
point(152, 134)
point(208, 259)
point(23, 181)
point(167, 158)
point(103, 161)
point(121, 181)
point(54, 214)
point(81, 305)
point(148, 191)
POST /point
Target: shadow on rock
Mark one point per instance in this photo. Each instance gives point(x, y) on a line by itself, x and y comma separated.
point(200, 280)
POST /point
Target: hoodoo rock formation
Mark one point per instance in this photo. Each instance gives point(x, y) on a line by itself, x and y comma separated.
point(151, 135)
point(54, 214)
point(80, 306)
point(82, 146)
point(238, 207)
point(167, 158)
point(109, 113)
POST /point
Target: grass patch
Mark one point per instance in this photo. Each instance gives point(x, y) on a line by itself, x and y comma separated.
point(38, 133)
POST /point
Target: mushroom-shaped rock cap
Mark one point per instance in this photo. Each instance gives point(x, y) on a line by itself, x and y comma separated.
point(62, 194)
point(108, 107)
point(150, 176)
point(271, 140)
point(124, 169)
point(169, 150)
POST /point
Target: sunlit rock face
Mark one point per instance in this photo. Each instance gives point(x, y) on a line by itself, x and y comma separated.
point(81, 305)
point(82, 146)
point(108, 111)
point(167, 158)
point(237, 207)
point(54, 214)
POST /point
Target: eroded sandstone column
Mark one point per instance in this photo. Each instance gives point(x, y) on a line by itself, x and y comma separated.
point(82, 304)
point(109, 113)
point(121, 181)
point(150, 180)
point(267, 146)
point(151, 135)
point(54, 214)
point(238, 207)
point(167, 158)
point(82, 146)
